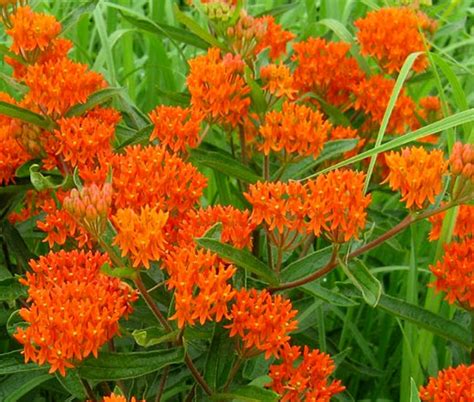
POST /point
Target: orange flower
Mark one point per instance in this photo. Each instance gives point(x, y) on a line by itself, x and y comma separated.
point(309, 381)
point(140, 235)
point(217, 87)
point(12, 155)
point(297, 128)
point(59, 225)
point(372, 97)
point(176, 128)
point(391, 34)
point(325, 69)
point(150, 175)
point(74, 309)
point(337, 204)
point(418, 174)
point(275, 37)
point(280, 205)
point(451, 385)
point(455, 273)
point(246, 34)
point(200, 282)
point(463, 228)
point(56, 86)
point(31, 31)
point(278, 81)
point(262, 321)
point(118, 398)
point(236, 225)
point(80, 141)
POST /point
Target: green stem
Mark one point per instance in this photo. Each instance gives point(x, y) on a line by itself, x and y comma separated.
point(233, 372)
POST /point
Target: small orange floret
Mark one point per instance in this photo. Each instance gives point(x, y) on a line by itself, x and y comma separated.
point(275, 37)
point(326, 69)
point(151, 175)
point(262, 321)
point(309, 381)
point(391, 34)
point(175, 127)
point(418, 174)
point(463, 228)
point(140, 235)
point(296, 129)
point(12, 155)
point(278, 81)
point(74, 309)
point(452, 385)
point(31, 31)
point(217, 87)
point(372, 97)
point(455, 273)
point(200, 280)
point(56, 86)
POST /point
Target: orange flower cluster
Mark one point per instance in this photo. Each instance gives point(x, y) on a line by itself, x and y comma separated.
point(309, 381)
point(262, 321)
point(275, 38)
point(56, 86)
point(418, 174)
point(74, 308)
point(391, 34)
point(31, 31)
point(429, 105)
point(245, 35)
point(82, 141)
point(200, 282)
point(118, 398)
point(175, 127)
point(236, 225)
point(334, 203)
point(217, 87)
point(278, 81)
point(151, 175)
point(463, 228)
point(140, 235)
point(12, 154)
point(90, 207)
point(296, 128)
point(372, 97)
point(325, 69)
point(461, 161)
point(455, 273)
point(452, 384)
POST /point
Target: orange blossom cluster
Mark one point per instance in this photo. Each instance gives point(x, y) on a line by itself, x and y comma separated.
point(452, 384)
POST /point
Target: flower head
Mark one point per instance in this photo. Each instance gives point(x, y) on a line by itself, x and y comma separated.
point(175, 127)
point(31, 31)
point(200, 280)
point(141, 235)
point(217, 87)
point(326, 69)
point(461, 161)
point(296, 128)
point(118, 398)
point(74, 309)
point(262, 321)
point(455, 273)
point(12, 155)
point(452, 384)
point(309, 380)
point(275, 37)
point(418, 174)
point(464, 226)
point(391, 34)
point(278, 81)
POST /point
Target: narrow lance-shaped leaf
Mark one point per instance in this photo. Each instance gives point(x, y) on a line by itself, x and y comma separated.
point(25, 115)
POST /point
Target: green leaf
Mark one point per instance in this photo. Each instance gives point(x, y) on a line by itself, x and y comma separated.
point(153, 336)
point(256, 93)
point(11, 289)
point(17, 385)
point(138, 136)
point(41, 182)
point(16, 244)
point(97, 98)
point(219, 360)
point(121, 366)
point(119, 272)
point(332, 149)
point(195, 28)
point(72, 384)
point(71, 19)
point(414, 395)
point(241, 258)
point(328, 295)
point(363, 280)
point(306, 265)
point(249, 393)
point(14, 362)
point(25, 115)
point(224, 163)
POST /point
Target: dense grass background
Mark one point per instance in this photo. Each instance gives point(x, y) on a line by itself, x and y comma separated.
point(135, 44)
